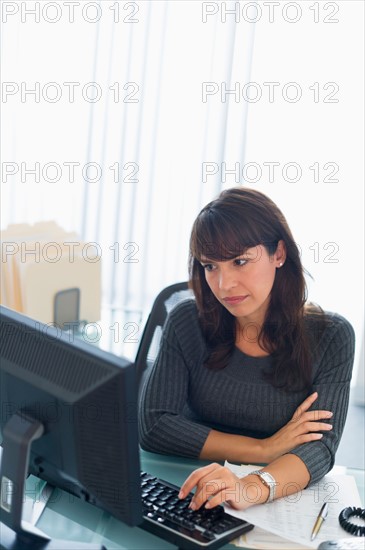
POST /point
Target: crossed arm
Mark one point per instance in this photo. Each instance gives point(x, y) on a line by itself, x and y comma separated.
point(217, 484)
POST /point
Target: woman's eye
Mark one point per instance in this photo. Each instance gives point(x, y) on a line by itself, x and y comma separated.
point(240, 261)
point(208, 267)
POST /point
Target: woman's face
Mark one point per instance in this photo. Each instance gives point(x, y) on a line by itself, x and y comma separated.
point(243, 285)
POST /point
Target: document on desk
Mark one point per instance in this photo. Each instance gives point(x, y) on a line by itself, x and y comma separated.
point(293, 517)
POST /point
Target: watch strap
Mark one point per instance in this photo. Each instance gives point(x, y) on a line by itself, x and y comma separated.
point(268, 480)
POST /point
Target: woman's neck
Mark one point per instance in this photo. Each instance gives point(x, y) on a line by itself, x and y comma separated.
point(247, 341)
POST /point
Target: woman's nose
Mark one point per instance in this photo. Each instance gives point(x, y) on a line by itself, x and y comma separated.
point(227, 280)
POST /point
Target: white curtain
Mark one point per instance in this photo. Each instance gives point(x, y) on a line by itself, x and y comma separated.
point(135, 114)
point(140, 146)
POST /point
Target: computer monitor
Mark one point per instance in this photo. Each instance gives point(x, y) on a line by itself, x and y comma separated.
point(68, 416)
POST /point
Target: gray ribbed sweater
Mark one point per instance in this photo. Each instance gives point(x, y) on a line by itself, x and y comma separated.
point(182, 400)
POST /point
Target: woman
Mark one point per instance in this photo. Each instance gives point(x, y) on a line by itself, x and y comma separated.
point(248, 371)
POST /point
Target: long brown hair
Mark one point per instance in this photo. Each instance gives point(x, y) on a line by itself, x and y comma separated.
point(242, 218)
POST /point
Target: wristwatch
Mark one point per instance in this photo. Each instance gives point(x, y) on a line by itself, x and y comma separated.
point(268, 480)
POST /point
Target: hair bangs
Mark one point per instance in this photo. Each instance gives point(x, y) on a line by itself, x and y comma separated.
point(219, 236)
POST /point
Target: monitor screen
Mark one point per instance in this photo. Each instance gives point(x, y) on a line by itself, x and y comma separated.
point(83, 402)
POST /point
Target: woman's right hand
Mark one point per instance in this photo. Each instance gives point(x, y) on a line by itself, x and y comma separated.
point(302, 428)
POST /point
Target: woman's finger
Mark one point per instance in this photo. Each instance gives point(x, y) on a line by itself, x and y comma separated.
point(310, 416)
point(305, 405)
point(231, 496)
point(306, 438)
point(316, 415)
point(308, 427)
point(206, 490)
point(195, 477)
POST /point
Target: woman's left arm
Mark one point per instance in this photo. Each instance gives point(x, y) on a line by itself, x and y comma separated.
point(335, 357)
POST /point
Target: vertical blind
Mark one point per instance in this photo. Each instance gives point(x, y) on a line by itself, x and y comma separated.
point(119, 126)
point(131, 143)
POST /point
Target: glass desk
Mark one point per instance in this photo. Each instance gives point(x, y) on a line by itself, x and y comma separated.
point(67, 517)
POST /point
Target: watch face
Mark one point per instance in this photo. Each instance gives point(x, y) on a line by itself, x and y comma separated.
point(268, 480)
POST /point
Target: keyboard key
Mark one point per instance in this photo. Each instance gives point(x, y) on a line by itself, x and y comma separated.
point(209, 535)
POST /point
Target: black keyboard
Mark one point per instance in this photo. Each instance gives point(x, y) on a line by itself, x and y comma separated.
point(170, 518)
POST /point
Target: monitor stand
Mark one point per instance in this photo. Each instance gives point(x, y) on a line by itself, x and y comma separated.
point(16, 534)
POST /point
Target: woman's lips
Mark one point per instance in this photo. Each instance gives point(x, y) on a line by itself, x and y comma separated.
point(234, 300)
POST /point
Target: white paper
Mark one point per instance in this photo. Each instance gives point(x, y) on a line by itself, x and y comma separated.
point(259, 539)
point(293, 517)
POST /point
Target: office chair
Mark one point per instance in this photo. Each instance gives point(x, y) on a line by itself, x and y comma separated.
point(151, 336)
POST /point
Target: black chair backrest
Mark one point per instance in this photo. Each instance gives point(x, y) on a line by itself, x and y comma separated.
point(151, 336)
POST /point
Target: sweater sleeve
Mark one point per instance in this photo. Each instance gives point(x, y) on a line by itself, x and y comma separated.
point(163, 428)
point(332, 382)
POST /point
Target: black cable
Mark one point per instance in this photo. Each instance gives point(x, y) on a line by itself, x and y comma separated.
point(350, 527)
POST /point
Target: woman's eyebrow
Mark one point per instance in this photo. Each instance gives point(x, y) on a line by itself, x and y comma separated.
point(208, 261)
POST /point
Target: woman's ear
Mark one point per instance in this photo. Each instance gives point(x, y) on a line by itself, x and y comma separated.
point(280, 254)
